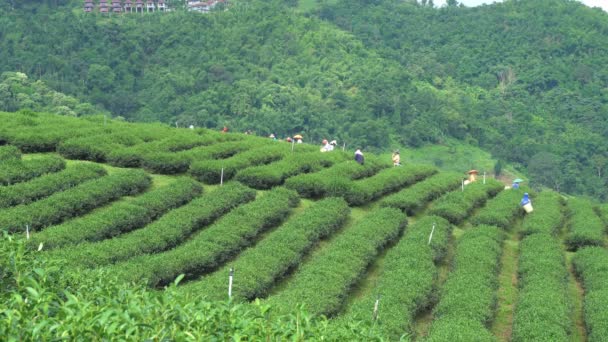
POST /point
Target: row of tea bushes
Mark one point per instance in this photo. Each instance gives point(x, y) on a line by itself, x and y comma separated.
point(501, 210)
point(543, 310)
point(547, 216)
point(323, 283)
point(8, 152)
point(45, 185)
point(258, 268)
point(586, 228)
point(413, 198)
point(591, 266)
point(274, 174)
point(456, 206)
point(386, 181)
point(468, 297)
point(209, 248)
point(74, 201)
point(407, 284)
point(119, 217)
point(16, 170)
point(165, 233)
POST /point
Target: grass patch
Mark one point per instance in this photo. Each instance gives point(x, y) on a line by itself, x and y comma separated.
point(507, 289)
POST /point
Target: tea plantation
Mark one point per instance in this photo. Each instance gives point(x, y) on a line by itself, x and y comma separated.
point(120, 231)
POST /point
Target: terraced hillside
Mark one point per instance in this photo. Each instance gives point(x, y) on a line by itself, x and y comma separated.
point(407, 251)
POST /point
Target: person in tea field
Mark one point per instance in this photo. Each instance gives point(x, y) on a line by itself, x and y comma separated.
point(526, 203)
point(359, 157)
point(396, 158)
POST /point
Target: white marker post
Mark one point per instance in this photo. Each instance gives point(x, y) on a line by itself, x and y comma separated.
point(293, 144)
point(344, 147)
point(432, 231)
point(222, 177)
point(230, 282)
point(376, 304)
point(463, 185)
point(27, 231)
point(484, 177)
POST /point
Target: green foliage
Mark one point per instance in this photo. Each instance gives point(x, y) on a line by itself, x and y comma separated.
point(547, 216)
point(468, 296)
point(209, 248)
point(257, 269)
point(324, 281)
point(455, 206)
point(543, 310)
point(8, 152)
point(16, 170)
point(73, 202)
point(414, 198)
point(119, 217)
point(586, 227)
point(591, 264)
point(162, 234)
point(501, 210)
point(43, 186)
point(408, 281)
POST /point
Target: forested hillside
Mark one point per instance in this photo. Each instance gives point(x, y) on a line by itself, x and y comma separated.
point(514, 78)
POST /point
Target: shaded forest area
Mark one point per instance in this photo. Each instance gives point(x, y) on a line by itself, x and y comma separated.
point(525, 80)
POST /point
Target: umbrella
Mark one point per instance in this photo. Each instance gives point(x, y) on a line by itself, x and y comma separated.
point(473, 171)
point(518, 180)
point(297, 136)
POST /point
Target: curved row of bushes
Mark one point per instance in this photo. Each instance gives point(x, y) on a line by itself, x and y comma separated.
point(95, 147)
point(323, 283)
point(407, 284)
point(547, 216)
point(586, 228)
point(166, 232)
point(274, 174)
point(119, 217)
point(457, 205)
point(591, 266)
point(43, 186)
point(413, 198)
point(16, 170)
point(74, 201)
point(543, 310)
point(9, 152)
point(468, 297)
point(501, 210)
point(258, 268)
point(209, 248)
point(384, 182)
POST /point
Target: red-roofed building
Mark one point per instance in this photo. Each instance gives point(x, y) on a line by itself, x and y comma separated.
point(161, 5)
point(150, 6)
point(89, 6)
point(128, 6)
point(139, 6)
point(103, 7)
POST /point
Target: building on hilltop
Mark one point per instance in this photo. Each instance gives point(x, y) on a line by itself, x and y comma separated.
point(202, 6)
point(89, 6)
point(116, 6)
point(150, 6)
point(103, 7)
point(126, 6)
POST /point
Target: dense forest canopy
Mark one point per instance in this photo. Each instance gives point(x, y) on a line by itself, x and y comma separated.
point(524, 79)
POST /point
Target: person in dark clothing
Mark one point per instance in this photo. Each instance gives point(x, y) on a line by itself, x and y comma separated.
point(359, 157)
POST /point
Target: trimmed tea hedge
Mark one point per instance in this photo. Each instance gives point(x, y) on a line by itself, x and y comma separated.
point(8, 152)
point(258, 268)
point(16, 170)
point(591, 265)
point(468, 296)
point(74, 202)
point(325, 280)
point(547, 216)
point(543, 310)
point(408, 279)
point(457, 205)
point(165, 233)
point(586, 227)
point(95, 148)
point(208, 249)
point(43, 186)
point(119, 217)
point(501, 210)
point(413, 198)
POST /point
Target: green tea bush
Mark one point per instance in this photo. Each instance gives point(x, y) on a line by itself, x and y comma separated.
point(325, 280)
point(43, 186)
point(119, 217)
point(408, 279)
point(501, 210)
point(416, 196)
point(469, 293)
point(258, 268)
point(385, 181)
point(543, 311)
point(165, 233)
point(209, 248)
point(591, 266)
point(8, 152)
point(586, 227)
point(459, 329)
point(16, 170)
point(95, 148)
point(457, 205)
point(73, 202)
point(547, 216)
